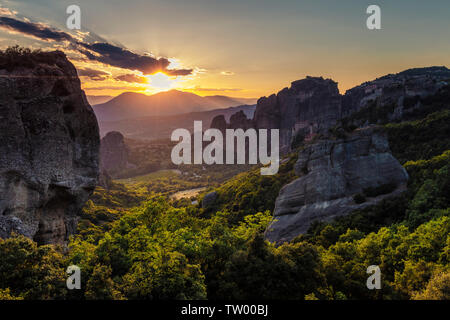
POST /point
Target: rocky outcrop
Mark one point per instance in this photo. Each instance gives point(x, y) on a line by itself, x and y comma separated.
point(309, 106)
point(338, 176)
point(209, 200)
point(314, 105)
point(105, 180)
point(49, 148)
point(396, 90)
point(240, 121)
point(113, 153)
point(331, 174)
point(219, 122)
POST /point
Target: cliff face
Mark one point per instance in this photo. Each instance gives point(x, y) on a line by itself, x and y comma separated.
point(313, 105)
point(338, 176)
point(49, 149)
point(113, 153)
point(331, 174)
point(219, 122)
point(396, 90)
point(240, 121)
point(310, 105)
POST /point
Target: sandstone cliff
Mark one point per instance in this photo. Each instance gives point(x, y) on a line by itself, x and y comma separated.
point(331, 175)
point(49, 147)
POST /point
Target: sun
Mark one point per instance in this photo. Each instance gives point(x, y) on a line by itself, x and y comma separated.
point(161, 82)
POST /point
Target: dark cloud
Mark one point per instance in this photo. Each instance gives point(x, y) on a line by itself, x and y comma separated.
point(36, 30)
point(178, 72)
point(131, 78)
point(101, 51)
point(123, 58)
point(96, 75)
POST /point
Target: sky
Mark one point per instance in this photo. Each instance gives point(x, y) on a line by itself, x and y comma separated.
point(239, 48)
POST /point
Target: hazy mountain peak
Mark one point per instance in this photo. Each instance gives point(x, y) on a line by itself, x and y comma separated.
point(129, 105)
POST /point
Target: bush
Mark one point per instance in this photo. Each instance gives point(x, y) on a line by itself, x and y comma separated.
point(438, 288)
point(18, 57)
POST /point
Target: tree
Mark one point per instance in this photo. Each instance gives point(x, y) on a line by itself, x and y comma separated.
point(438, 288)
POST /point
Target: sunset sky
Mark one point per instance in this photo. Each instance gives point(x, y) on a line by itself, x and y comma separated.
point(240, 48)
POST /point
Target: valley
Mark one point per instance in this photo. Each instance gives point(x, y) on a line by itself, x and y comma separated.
point(363, 180)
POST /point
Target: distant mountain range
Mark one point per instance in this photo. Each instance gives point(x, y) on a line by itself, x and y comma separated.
point(130, 105)
point(98, 99)
point(161, 127)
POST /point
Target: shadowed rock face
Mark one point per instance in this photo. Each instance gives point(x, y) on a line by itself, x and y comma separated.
point(219, 122)
point(395, 89)
point(239, 121)
point(113, 153)
point(310, 105)
point(331, 173)
point(49, 150)
point(314, 104)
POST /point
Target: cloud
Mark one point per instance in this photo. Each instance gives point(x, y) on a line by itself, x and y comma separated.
point(227, 73)
point(132, 78)
point(178, 72)
point(126, 59)
point(100, 51)
point(36, 30)
point(123, 58)
point(7, 12)
point(96, 75)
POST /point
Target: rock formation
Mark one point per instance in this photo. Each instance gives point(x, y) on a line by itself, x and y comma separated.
point(49, 147)
point(113, 153)
point(338, 176)
point(209, 199)
point(219, 122)
point(310, 105)
point(237, 121)
point(105, 180)
point(313, 105)
point(331, 173)
point(240, 121)
point(396, 90)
